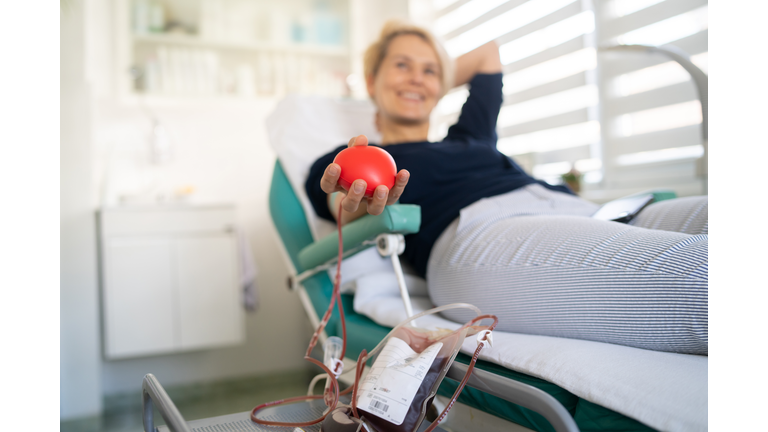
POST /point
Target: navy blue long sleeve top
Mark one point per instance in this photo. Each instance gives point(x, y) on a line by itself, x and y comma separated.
point(448, 175)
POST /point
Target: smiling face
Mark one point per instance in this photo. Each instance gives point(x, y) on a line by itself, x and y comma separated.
point(408, 83)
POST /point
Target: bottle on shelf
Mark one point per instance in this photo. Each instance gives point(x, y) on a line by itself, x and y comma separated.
point(156, 17)
point(327, 24)
point(140, 14)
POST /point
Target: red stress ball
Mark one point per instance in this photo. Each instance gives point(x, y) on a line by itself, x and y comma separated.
point(369, 163)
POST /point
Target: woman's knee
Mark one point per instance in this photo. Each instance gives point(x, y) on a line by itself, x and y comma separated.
point(688, 215)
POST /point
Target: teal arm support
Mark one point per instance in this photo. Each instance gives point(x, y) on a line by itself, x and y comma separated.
point(396, 219)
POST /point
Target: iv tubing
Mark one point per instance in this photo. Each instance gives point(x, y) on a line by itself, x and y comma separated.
point(332, 393)
point(331, 396)
point(313, 383)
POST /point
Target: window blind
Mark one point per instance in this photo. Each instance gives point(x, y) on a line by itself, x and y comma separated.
point(627, 121)
point(650, 109)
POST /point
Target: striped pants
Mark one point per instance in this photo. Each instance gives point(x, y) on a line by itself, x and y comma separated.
point(535, 258)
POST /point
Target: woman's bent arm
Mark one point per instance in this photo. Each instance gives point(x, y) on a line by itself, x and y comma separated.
point(483, 59)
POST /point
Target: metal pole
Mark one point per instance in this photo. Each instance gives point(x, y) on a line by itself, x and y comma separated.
point(700, 80)
point(403, 287)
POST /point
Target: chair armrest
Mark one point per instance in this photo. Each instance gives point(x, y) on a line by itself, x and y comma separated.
point(396, 219)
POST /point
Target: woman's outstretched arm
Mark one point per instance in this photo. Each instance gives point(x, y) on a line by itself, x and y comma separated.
point(483, 59)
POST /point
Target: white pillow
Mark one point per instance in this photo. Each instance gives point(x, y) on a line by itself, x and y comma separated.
point(303, 128)
point(378, 297)
point(361, 264)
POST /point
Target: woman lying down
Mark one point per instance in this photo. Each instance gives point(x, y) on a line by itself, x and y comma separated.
point(516, 247)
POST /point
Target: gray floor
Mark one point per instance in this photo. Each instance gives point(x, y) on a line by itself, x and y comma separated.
point(123, 412)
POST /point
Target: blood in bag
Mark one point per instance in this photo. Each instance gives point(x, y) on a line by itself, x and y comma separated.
point(377, 413)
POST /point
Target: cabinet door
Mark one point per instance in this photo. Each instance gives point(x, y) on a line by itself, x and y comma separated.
point(210, 313)
point(138, 296)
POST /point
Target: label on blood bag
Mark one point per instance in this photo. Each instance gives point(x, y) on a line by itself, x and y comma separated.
point(395, 377)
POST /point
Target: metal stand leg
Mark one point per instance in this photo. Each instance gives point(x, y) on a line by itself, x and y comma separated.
point(153, 391)
point(392, 245)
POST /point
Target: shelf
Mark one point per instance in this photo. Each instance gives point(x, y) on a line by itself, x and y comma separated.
point(137, 98)
point(196, 42)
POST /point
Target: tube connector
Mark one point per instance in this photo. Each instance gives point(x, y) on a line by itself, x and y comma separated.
point(485, 336)
point(337, 366)
point(390, 244)
point(332, 353)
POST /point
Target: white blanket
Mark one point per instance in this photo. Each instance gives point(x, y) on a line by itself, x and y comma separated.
point(663, 390)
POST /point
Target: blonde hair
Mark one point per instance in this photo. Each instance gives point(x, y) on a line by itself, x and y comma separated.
point(376, 52)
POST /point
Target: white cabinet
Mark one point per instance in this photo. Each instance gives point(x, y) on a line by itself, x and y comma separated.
point(206, 316)
point(169, 279)
point(139, 297)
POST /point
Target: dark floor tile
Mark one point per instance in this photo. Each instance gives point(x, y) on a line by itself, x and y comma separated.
point(123, 412)
point(90, 424)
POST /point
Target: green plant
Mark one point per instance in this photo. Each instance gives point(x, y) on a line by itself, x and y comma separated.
point(573, 179)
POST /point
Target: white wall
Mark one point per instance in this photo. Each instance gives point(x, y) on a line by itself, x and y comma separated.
point(221, 149)
point(367, 18)
point(80, 393)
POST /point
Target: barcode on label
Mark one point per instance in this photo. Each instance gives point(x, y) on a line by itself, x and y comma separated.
point(379, 405)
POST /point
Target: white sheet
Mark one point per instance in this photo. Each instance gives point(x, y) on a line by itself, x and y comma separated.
point(663, 390)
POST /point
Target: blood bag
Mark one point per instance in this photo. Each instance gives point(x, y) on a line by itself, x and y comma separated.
point(407, 369)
